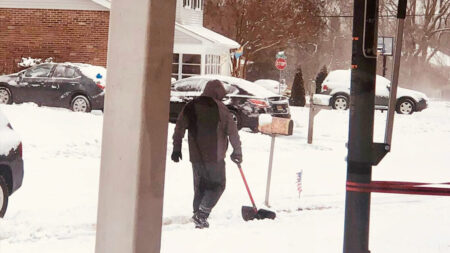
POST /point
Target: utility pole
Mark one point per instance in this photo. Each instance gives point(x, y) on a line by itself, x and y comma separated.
point(360, 142)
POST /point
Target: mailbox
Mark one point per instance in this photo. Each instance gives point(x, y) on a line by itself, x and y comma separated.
point(274, 125)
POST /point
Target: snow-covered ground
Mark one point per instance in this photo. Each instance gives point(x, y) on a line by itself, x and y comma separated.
point(55, 210)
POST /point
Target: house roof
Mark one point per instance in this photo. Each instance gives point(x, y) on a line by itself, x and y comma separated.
point(206, 34)
point(194, 30)
point(104, 3)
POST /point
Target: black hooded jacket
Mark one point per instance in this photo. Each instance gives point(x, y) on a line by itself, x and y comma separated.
point(209, 124)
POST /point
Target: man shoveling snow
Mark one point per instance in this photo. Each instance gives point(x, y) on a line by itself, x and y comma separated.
point(210, 125)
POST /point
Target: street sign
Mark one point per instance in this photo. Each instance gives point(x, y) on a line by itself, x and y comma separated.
point(280, 63)
point(281, 55)
point(385, 45)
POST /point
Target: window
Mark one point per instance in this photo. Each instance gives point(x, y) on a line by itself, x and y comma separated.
point(39, 71)
point(71, 73)
point(193, 4)
point(186, 65)
point(175, 66)
point(212, 64)
point(230, 88)
point(59, 71)
point(65, 72)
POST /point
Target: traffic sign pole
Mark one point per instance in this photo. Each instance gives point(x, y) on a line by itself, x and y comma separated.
point(280, 64)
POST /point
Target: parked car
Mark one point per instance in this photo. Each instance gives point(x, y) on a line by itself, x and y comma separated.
point(11, 163)
point(337, 85)
point(245, 100)
point(80, 87)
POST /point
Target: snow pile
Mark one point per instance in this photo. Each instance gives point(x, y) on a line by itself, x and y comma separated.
point(30, 62)
point(272, 85)
point(9, 139)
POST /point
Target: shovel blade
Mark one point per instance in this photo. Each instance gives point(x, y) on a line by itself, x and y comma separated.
point(249, 213)
point(266, 214)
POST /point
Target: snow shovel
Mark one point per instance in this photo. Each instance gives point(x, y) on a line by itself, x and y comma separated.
point(251, 213)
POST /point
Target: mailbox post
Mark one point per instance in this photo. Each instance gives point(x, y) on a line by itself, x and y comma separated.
point(273, 126)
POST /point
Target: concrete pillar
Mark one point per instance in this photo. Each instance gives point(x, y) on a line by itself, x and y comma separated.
point(135, 126)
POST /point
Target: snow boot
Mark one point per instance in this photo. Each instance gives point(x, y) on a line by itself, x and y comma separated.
point(200, 220)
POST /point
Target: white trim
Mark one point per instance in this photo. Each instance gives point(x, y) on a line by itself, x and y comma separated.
point(104, 3)
point(205, 34)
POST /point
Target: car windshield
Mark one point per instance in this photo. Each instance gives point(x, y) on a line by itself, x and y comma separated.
point(39, 71)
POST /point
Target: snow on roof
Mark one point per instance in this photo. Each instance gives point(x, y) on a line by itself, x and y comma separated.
point(104, 3)
point(96, 73)
point(208, 35)
point(248, 86)
point(342, 77)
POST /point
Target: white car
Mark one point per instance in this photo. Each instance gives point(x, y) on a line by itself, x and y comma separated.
point(337, 85)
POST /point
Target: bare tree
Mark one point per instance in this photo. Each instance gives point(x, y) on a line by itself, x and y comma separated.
point(263, 25)
point(427, 22)
point(426, 32)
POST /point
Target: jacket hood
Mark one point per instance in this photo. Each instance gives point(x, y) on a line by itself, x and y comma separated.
point(214, 89)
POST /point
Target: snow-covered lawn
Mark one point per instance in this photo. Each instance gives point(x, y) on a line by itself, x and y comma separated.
point(55, 210)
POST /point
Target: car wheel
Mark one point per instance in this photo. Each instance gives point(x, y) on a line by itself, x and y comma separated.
point(5, 96)
point(3, 197)
point(80, 103)
point(236, 119)
point(405, 106)
point(340, 102)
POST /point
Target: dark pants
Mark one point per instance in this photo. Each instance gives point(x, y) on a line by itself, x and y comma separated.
point(209, 184)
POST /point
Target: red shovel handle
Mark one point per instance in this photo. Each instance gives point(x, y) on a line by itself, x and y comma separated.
point(248, 189)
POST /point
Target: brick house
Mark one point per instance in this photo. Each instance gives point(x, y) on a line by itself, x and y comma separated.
point(77, 31)
point(67, 30)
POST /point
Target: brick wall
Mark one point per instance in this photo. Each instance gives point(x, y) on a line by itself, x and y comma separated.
point(65, 35)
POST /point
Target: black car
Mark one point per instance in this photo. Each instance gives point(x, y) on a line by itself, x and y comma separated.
point(245, 100)
point(79, 87)
point(11, 163)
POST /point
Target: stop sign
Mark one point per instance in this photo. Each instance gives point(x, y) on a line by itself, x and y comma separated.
point(281, 63)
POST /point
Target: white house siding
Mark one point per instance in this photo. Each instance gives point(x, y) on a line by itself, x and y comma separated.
point(187, 16)
point(53, 4)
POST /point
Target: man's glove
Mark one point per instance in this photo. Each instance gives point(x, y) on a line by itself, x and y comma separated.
point(176, 156)
point(236, 158)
